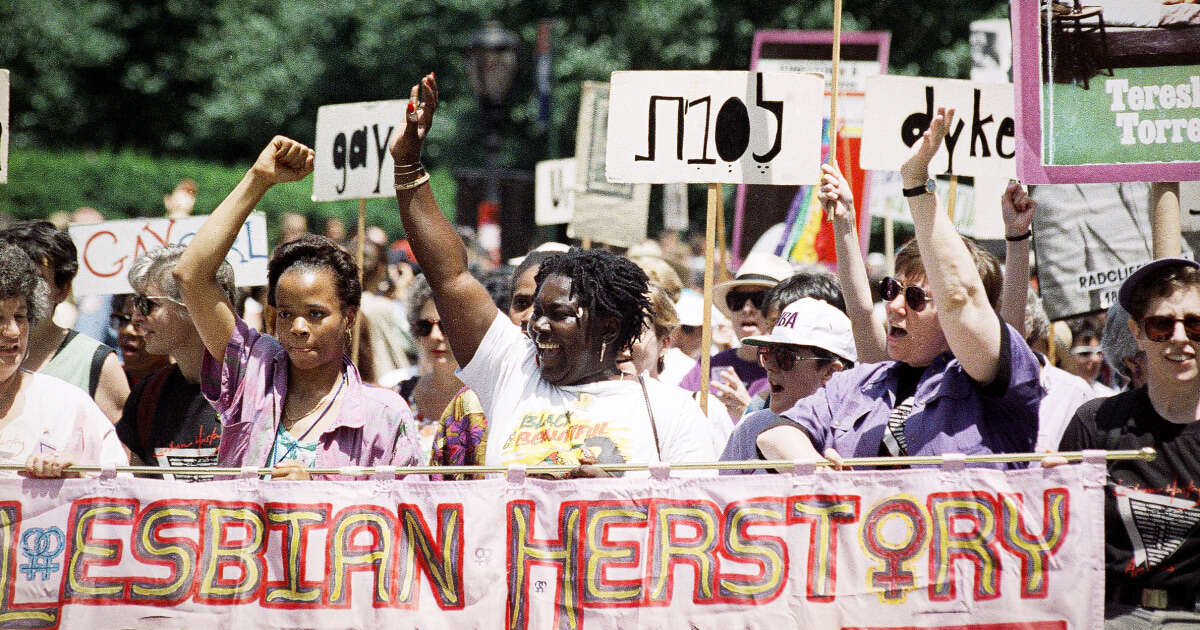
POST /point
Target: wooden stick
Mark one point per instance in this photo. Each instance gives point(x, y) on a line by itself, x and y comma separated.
point(714, 200)
point(362, 238)
point(587, 243)
point(1165, 219)
point(722, 251)
point(831, 158)
point(889, 242)
point(952, 196)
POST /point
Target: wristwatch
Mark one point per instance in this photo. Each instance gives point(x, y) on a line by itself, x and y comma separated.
point(929, 186)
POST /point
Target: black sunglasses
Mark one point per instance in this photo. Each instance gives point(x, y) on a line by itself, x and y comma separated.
point(145, 304)
point(424, 327)
point(735, 300)
point(1162, 327)
point(914, 296)
point(785, 358)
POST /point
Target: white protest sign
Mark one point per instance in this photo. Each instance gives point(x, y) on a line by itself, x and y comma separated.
point(554, 191)
point(715, 127)
point(976, 208)
point(980, 142)
point(106, 250)
point(353, 161)
point(675, 207)
point(605, 212)
point(3, 126)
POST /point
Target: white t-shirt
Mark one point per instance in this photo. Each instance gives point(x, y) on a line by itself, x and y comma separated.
point(532, 422)
point(51, 415)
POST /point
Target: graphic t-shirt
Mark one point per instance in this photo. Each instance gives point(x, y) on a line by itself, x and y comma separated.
point(180, 427)
point(1152, 509)
point(532, 422)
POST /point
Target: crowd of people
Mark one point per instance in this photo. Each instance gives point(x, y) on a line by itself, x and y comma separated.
point(585, 357)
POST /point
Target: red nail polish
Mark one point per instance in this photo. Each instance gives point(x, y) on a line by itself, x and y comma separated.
point(411, 108)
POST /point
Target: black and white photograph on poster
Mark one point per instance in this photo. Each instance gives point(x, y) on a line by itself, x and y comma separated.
point(1110, 224)
point(991, 51)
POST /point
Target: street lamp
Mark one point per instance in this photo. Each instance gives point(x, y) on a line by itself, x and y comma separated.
point(491, 65)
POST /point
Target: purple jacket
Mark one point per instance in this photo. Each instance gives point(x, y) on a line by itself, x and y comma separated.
point(374, 426)
point(951, 412)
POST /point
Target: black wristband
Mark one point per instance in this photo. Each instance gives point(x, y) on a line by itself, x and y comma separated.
point(1019, 237)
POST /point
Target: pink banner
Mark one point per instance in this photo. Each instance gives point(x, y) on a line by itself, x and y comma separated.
point(932, 548)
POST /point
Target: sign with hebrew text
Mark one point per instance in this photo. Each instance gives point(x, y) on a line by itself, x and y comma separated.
point(714, 127)
point(352, 158)
point(964, 549)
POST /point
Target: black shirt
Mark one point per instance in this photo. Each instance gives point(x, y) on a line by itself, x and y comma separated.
point(183, 429)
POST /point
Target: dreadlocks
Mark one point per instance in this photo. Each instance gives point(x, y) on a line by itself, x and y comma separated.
point(605, 284)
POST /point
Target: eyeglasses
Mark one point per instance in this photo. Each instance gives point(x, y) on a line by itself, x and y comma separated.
point(914, 296)
point(1087, 351)
point(1162, 327)
point(424, 327)
point(688, 330)
point(119, 320)
point(735, 300)
point(145, 304)
point(785, 358)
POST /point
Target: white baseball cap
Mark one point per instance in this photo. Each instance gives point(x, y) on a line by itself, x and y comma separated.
point(811, 322)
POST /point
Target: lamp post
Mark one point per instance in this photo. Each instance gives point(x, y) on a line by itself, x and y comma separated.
point(491, 65)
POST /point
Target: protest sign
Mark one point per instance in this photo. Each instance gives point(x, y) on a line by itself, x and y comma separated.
point(899, 110)
point(352, 157)
point(991, 51)
point(106, 250)
point(1107, 93)
point(1089, 237)
point(976, 209)
point(675, 207)
point(966, 548)
point(605, 212)
point(807, 236)
point(714, 127)
point(554, 191)
point(3, 126)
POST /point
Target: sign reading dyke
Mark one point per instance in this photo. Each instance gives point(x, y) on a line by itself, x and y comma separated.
point(714, 127)
point(353, 161)
point(554, 191)
point(980, 141)
point(936, 549)
point(106, 250)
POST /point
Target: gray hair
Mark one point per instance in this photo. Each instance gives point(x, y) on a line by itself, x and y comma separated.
point(418, 294)
point(155, 267)
point(1117, 342)
point(19, 276)
point(1037, 323)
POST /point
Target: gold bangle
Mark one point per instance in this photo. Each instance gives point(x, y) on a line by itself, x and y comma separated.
point(414, 183)
point(416, 169)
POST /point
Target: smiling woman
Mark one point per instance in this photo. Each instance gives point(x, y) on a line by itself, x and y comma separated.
point(45, 423)
point(296, 401)
point(555, 396)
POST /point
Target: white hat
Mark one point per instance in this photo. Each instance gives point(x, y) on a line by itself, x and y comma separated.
point(758, 271)
point(690, 309)
point(811, 322)
point(544, 247)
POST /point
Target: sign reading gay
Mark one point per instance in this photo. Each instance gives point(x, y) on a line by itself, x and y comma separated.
point(980, 141)
point(714, 127)
point(966, 548)
point(106, 250)
point(353, 161)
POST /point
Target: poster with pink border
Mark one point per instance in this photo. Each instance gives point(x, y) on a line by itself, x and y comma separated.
point(1106, 91)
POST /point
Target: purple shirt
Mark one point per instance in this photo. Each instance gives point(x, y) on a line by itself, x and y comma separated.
point(752, 374)
point(374, 426)
point(951, 412)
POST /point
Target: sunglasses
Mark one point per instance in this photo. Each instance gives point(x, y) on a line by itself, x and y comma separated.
point(145, 304)
point(1162, 327)
point(735, 300)
point(914, 296)
point(119, 320)
point(688, 330)
point(785, 359)
point(424, 327)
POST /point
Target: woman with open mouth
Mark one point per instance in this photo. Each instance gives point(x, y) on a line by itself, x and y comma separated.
point(556, 395)
point(295, 401)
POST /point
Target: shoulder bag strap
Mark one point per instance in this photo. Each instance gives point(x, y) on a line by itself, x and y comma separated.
point(650, 412)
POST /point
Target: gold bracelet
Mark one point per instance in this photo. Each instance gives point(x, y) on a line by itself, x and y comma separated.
point(414, 183)
point(416, 168)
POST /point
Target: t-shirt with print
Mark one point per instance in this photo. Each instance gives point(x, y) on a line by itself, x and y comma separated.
point(53, 416)
point(1151, 508)
point(183, 428)
point(532, 422)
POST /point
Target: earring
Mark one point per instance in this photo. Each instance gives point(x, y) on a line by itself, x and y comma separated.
point(603, 350)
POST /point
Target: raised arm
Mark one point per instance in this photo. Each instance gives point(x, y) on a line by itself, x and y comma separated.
point(1018, 211)
point(869, 336)
point(283, 160)
point(466, 309)
point(967, 319)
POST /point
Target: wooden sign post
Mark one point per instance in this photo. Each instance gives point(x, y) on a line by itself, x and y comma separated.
point(714, 128)
point(353, 162)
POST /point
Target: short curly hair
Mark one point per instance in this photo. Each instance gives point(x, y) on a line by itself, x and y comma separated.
point(156, 265)
point(46, 245)
point(608, 286)
point(419, 292)
point(19, 276)
point(316, 252)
